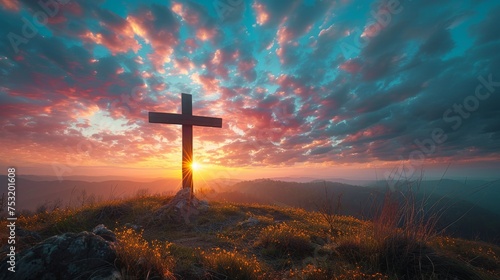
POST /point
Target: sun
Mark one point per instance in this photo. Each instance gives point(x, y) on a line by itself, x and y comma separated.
point(195, 166)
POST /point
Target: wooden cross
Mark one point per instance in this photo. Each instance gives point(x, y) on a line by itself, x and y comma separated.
point(187, 120)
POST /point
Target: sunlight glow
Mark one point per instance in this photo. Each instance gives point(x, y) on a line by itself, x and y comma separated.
point(195, 166)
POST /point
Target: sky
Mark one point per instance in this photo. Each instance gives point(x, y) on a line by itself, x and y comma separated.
point(349, 88)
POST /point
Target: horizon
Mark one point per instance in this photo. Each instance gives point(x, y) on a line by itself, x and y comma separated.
point(320, 89)
point(487, 173)
point(291, 178)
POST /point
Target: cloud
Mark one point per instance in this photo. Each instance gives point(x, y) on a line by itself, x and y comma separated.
point(278, 73)
point(158, 27)
point(439, 42)
point(351, 66)
point(488, 30)
point(10, 5)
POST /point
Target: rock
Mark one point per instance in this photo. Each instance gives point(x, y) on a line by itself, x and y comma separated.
point(133, 226)
point(105, 233)
point(83, 255)
point(252, 221)
point(184, 206)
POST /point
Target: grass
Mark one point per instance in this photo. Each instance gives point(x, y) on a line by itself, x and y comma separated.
point(283, 241)
point(231, 265)
point(142, 259)
point(286, 243)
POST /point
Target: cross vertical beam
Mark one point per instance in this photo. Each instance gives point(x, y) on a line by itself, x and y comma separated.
point(187, 120)
point(187, 144)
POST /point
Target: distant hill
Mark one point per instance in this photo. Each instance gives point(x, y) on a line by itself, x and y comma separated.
point(34, 191)
point(338, 180)
point(304, 195)
point(87, 178)
point(484, 194)
point(32, 194)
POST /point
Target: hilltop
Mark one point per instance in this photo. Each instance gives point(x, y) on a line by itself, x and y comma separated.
point(467, 211)
point(252, 241)
point(471, 208)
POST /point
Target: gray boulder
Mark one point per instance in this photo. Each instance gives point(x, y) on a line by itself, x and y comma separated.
point(83, 255)
point(105, 233)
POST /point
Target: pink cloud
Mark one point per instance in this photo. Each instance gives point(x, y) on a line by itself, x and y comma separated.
point(247, 69)
point(220, 62)
point(260, 90)
point(187, 15)
point(281, 54)
point(372, 132)
point(289, 84)
point(261, 14)
point(209, 84)
point(351, 66)
point(206, 34)
point(183, 65)
point(190, 45)
point(115, 42)
point(284, 35)
point(372, 30)
point(73, 8)
point(163, 39)
point(11, 5)
point(197, 17)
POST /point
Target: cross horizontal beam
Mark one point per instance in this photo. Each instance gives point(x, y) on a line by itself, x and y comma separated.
point(187, 120)
point(183, 119)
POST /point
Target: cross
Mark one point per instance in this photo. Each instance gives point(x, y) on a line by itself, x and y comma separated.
point(187, 120)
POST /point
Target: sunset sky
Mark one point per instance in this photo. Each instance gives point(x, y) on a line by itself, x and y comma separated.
point(321, 89)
